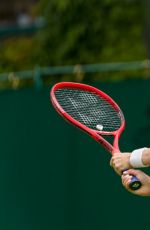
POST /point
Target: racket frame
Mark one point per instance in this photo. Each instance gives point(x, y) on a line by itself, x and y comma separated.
point(95, 134)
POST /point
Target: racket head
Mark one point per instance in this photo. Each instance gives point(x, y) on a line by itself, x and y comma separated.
point(87, 107)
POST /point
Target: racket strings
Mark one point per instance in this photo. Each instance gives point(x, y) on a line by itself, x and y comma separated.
point(88, 108)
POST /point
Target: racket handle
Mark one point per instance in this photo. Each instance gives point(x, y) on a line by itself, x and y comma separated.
point(135, 183)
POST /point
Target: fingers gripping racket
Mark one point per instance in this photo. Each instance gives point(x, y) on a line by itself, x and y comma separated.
point(94, 112)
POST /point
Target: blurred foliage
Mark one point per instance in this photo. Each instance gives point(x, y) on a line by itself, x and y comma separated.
point(91, 31)
point(16, 54)
point(79, 32)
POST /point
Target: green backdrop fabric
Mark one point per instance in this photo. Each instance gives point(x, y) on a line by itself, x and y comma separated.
point(52, 176)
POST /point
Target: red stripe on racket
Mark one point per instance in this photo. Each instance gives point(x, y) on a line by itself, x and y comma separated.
point(94, 112)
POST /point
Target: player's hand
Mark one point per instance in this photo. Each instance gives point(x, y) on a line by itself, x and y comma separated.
point(120, 162)
point(144, 178)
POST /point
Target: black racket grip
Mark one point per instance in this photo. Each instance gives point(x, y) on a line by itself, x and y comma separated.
point(135, 183)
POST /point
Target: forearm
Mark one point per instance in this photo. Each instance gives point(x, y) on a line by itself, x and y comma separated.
point(146, 156)
point(140, 158)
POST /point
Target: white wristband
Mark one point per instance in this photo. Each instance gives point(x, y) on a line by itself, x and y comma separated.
point(136, 158)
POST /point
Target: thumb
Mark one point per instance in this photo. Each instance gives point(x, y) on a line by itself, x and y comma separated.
point(110, 162)
point(132, 172)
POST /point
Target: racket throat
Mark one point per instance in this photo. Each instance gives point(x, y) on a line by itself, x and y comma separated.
point(110, 143)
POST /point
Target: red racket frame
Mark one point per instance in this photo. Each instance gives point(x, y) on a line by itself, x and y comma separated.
point(97, 135)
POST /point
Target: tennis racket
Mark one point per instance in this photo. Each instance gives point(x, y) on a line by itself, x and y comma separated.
point(94, 112)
